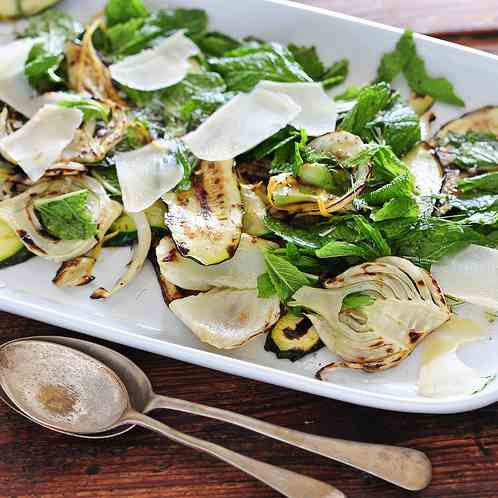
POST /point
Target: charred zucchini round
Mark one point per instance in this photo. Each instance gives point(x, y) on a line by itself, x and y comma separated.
point(293, 337)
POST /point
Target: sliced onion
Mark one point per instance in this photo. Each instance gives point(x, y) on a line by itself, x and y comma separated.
point(20, 214)
point(139, 256)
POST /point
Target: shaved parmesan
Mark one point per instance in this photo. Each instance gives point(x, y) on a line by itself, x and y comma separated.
point(158, 67)
point(227, 318)
point(318, 111)
point(15, 89)
point(39, 143)
point(470, 275)
point(442, 373)
point(240, 272)
point(241, 124)
point(146, 174)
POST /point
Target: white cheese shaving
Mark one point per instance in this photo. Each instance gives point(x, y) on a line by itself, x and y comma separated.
point(241, 124)
point(148, 173)
point(470, 275)
point(39, 143)
point(158, 67)
point(318, 111)
point(442, 373)
point(15, 89)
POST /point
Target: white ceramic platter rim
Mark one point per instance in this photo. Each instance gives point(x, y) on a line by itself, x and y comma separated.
point(31, 301)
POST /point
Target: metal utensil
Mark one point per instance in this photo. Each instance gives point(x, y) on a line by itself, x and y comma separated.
point(67, 390)
point(407, 468)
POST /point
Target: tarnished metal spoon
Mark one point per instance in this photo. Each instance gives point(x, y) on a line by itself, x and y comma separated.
point(67, 390)
point(405, 467)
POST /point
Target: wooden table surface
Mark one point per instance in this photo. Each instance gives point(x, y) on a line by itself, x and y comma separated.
point(463, 448)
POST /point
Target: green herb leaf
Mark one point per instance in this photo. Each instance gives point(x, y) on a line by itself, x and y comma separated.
point(337, 248)
point(336, 74)
point(401, 186)
point(309, 60)
point(285, 277)
point(67, 216)
point(399, 127)
point(108, 178)
point(43, 65)
point(428, 240)
point(265, 287)
point(371, 101)
point(351, 93)
point(188, 162)
point(372, 234)
point(91, 109)
point(482, 183)
point(400, 207)
point(120, 11)
point(245, 67)
point(217, 44)
point(405, 59)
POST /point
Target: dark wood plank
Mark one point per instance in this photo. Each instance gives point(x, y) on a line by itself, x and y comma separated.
point(34, 462)
point(424, 16)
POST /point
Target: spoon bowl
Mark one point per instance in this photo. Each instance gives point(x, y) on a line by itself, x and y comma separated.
point(70, 391)
point(62, 388)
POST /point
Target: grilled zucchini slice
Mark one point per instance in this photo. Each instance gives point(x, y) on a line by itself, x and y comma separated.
point(428, 175)
point(293, 337)
point(124, 231)
point(206, 221)
point(10, 9)
point(12, 250)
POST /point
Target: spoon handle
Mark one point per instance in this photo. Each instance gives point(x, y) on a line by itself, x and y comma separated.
point(287, 483)
point(404, 467)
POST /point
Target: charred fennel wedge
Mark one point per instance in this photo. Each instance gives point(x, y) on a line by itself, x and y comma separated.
point(239, 272)
point(206, 221)
point(399, 305)
point(227, 318)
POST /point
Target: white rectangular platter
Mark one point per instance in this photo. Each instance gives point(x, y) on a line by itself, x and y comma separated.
point(138, 316)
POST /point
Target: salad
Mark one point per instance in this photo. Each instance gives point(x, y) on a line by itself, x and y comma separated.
point(268, 200)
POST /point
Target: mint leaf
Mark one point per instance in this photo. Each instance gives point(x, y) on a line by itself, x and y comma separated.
point(285, 277)
point(217, 44)
point(399, 127)
point(67, 216)
point(245, 67)
point(336, 249)
point(91, 109)
point(120, 11)
point(401, 186)
point(308, 59)
point(483, 183)
point(405, 59)
point(336, 74)
point(188, 162)
point(43, 65)
point(133, 34)
point(351, 93)
point(372, 234)
point(371, 100)
point(265, 286)
point(400, 207)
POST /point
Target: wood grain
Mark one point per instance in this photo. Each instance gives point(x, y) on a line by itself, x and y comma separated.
point(463, 448)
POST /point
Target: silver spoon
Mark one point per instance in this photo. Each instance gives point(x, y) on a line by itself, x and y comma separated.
point(67, 390)
point(407, 468)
